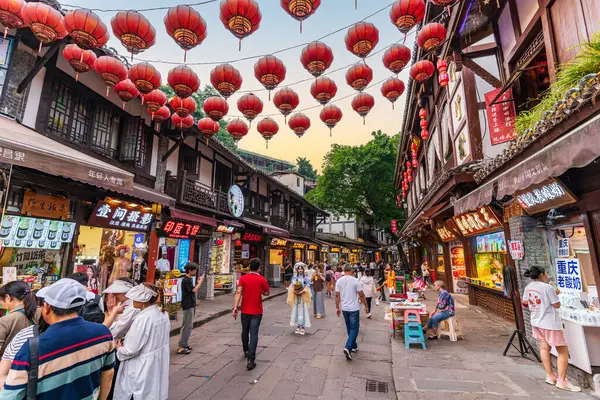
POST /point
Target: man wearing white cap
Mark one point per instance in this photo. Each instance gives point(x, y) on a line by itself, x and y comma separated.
point(70, 347)
point(119, 323)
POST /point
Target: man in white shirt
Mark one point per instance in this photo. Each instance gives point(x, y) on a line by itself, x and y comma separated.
point(163, 265)
point(348, 297)
point(425, 271)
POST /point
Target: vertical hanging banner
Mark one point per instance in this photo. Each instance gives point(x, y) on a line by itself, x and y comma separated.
point(562, 250)
point(501, 116)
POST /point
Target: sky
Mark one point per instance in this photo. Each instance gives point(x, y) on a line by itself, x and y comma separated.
point(277, 31)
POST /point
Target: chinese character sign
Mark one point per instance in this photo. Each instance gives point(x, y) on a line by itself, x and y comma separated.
point(516, 250)
point(501, 116)
point(118, 214)
point(181, 229)
point(568, 275)
point(563, 248)
point(40, 205)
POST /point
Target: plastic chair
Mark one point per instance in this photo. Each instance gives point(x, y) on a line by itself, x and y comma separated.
point(413, 334)
point(450, 327)
point(412, 316)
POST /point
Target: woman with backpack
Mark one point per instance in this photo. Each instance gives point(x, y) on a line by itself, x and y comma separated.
point(17, 298)
point(330, 279)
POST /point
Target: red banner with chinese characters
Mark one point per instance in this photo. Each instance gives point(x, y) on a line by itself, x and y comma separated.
point(501, 116)
point(394, 226)
point(180, 229)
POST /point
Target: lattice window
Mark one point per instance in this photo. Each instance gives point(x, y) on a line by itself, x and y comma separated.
point(191, 164)
point(134, 142)
point(70, 114)
point(105, 132)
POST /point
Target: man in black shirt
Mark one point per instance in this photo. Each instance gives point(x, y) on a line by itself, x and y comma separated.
point(188, 304)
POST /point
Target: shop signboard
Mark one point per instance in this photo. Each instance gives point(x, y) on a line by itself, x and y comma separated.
point(516, 249)
point(245, 251)
point(335, 249)
point(313, 247)
point(225, 229)
point(251, 237)
point(514, 209)
point(568, 275)
point(183, 256)
point(235, 201)
point(35, 233)
point(324, 249)
point(176, 229)
point(278, 242)
point(298, 245)
point(477, 222)
point(445, 234)
point(45, 206)
point(459, 269)
point(546, 195)
point(501, 116)
point(563, 248)
point(117, 214)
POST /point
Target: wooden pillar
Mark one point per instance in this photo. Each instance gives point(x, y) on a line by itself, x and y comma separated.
point(511, 263)
point(152, 256)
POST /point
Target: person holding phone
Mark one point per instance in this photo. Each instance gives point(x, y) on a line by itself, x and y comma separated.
point(252, 287)
point(188, 304)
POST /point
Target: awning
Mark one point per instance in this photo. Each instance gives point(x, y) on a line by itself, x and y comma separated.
point(575, 149)
point(187, 216)
point(22, 146)
point(233, 223)
point(268, 228)
point(435, 210)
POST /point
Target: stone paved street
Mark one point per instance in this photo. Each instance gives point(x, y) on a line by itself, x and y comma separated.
point(313, 366)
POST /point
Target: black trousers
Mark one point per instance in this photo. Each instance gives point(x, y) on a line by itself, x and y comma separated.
point(250, 326)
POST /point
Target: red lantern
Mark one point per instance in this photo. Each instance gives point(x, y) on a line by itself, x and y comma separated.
point(405, 14)
point(11, 15)
point(286, 101)
point(423, 124)
point(238, 243)
point(443, 78)
point(250, 106)
point(431, 36)
point(299, 123)
point(422, 70)
point(186, 27)
point(219, 242)
point(183, 80)
point(226, 79)
point(316, 58)
point(396, 58)
point(269, 71)
point(267, 128)
point(359, 76)
point(392, 89)
point(80, 60)
point(323, 89)
point(44, 21)
point(111, 70)
point(362, 104)
point(240, 17)
point(331, 115)
point(145, 77)
point(362, 38)
point(160, 115)
point(216, 107)
point(208, 128)
point(126, 90)
point(413, 154)
point(237, 129)
point(134, 31)
point(155, 100)
point(86, 29)
point(182, 123)
point(415, 163)
point(183, 107)
point(300, 9)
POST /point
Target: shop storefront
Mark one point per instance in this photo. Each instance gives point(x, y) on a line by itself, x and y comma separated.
point(312, 253)
point(335, 255)
point(298, 252)
point(248, 245)
point(354, 256)
point(278, 255)
point(324, 254)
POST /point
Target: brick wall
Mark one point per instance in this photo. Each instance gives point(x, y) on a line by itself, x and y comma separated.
point(161, 166)
point(23, 60)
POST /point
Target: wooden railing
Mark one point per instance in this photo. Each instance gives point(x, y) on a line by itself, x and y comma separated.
point(195, 194)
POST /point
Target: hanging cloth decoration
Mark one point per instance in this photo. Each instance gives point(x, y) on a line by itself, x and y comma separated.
point(45, 22)
point(240, 17)
point(331, 115)
point(215, 107)
point(226, 80)
point(186, 27)
point(323, 89)
point(286, 101)
point(300, 9)
point(80, 60)
point(134, 31)
point(86, 29)
point(299, 123)
point(111, 70)
point(316, 58)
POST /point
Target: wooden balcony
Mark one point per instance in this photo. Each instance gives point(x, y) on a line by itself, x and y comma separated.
point(195, 194)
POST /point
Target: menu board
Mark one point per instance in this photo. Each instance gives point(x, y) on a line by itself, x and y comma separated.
point(492, 243)
point(459, 270)
point(477, 222)
point(35, 233)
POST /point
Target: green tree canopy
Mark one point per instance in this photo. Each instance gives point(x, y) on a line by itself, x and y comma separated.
point(223, 136)
point(359, 180)
point(305, 168)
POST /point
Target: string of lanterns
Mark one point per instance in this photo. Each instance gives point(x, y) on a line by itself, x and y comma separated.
point(242, 18)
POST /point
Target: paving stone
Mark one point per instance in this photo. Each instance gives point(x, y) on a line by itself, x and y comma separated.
point(449, 386)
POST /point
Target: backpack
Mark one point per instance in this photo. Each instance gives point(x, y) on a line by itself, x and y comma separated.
point(91, 310)
point(328, 277)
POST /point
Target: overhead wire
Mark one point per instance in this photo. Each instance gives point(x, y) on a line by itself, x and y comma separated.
point(141, 9)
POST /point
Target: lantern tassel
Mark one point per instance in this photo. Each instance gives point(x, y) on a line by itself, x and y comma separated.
point(107, 89)
point(132, 57)
point(364, 121)
point(393, 106)
point(269, 95)
point(207, 140)
point(267, 144)
point(123, 105)
point(76, 76)
point(142, 99)
point(285, 119)
point(156, 126)
point(40, 48)
point(356, 4)
point(5, 32)
point(240, 45)
point(300, 26)
point(184, 55)
point(330, 133)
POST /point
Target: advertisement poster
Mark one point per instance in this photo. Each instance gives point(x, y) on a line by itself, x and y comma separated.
point(516, 249)
point(245, 251)
point(184, 253)
point(489, 270)
point(501, 116)
point(568, 275)
point(35, 233)
point(459, 270)
point(9, 274)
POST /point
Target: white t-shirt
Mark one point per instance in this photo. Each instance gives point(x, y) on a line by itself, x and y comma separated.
point(424, 270)
point(348, 287)
point(540, 296)
point(163, 265)
point(17, 342)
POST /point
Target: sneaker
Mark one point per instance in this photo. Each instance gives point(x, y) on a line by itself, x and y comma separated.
point(551, 380)
point(347, 354)
point(369, 316)
point(250, 365)
point(297, 331)
point(568, 386)
point(355, 350)
point(302, 332)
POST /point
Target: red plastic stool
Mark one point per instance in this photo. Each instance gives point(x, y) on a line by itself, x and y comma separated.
point(412, 316)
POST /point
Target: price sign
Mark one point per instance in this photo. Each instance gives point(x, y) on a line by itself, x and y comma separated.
point(516, 250)
point(568, 275)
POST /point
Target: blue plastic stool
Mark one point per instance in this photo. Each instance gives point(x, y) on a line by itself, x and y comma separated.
point(413, 334)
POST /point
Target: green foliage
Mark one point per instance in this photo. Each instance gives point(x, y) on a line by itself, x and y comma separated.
point(223, 136)
point(305, 168)
point(359, 180)
point(567, 77)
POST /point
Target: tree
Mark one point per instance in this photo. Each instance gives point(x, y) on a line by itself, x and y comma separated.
point(223, 136)
point(305, 168)
point(359, 180)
